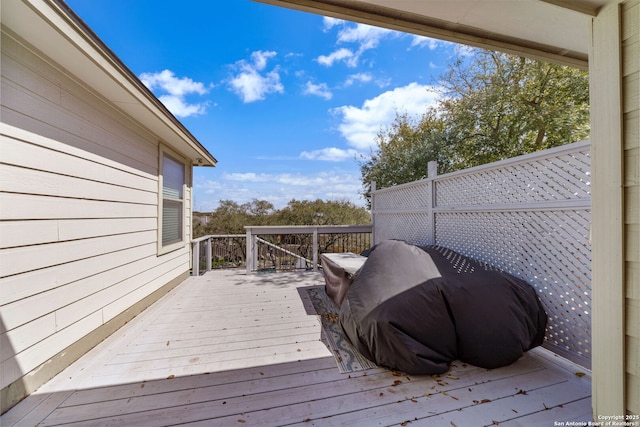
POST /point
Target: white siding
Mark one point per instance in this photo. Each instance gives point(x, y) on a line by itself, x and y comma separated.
point(78, 212)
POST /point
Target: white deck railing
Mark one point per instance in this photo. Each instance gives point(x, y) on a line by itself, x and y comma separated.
point(232, 249)
point(310, 230)
point(528, 216)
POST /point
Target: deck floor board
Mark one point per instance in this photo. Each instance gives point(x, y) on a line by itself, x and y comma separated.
point(227, 349)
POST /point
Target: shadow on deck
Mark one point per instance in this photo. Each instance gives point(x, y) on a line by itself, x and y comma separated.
point(229, 349)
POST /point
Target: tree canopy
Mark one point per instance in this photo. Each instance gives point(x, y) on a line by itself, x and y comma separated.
point(492, 106)
point(231, 217)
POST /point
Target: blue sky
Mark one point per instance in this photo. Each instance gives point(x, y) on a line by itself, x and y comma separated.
point(286, 101)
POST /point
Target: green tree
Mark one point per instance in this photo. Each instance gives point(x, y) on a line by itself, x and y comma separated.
point(404, 150)
point(231, 217)
point(228, 218)
point(498, 106)
point(320, 212)
point(493, 106)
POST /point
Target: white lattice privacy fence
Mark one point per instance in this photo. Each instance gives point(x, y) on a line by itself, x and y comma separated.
point(529, 216)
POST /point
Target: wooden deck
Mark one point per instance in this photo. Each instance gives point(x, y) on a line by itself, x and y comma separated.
point(230, 349)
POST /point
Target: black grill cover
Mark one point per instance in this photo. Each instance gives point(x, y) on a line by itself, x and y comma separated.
point(417, 309)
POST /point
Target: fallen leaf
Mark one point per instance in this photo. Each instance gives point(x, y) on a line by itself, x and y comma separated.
point(580, 374)
point(453, 377)
point(240, 420)
point(396, 373)
point(495, 422)
point(396, 383)
point(306, 420)
point(521, 392)
point(404, 423)
point(167, 343)
point(390, 390)
point(170, 377)
point(453, 424)
point(485, 401)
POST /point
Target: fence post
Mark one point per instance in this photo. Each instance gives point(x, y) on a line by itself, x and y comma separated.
point(195, 254)
point(432, 173)
point(249, 250)
point(315, 249)
point(207, 251)
point(373, 213)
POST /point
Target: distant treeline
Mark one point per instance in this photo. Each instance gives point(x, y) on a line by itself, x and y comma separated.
point(231, 217)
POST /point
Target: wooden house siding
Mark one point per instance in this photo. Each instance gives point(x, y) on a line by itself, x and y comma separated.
point(78, 218)
point(630, 13)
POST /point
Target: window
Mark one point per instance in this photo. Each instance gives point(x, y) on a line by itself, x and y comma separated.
point(172, 183)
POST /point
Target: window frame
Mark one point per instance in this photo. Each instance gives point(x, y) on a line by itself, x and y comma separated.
point(165, 151)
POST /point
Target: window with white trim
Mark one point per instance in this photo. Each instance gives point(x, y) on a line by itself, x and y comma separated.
point(171, 212)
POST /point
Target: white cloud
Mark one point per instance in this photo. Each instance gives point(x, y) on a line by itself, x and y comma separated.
point(329, 22)
point(260, 59)
point(367, 36)
point(364, 36)
point(428, 42)
point(180, 108)
point(173, 91)
point(167, 81)
point(359, 77)
point(360, 125)
point(320, 90)
point(330, 154)
point(251, 83)
point(246, 177)
point(279, 189)
point(338, 55)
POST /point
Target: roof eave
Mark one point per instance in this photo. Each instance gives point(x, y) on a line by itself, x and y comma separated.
point(366, 13)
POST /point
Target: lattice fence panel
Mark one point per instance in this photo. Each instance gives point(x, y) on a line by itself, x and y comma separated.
point(548, 249)
point(528, 216)
point(408, 196)
point(412, 227)
point(564, 177)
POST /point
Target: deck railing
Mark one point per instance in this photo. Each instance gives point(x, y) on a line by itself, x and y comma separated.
point(270, 248)
point(277, 248)
point(218, 251)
